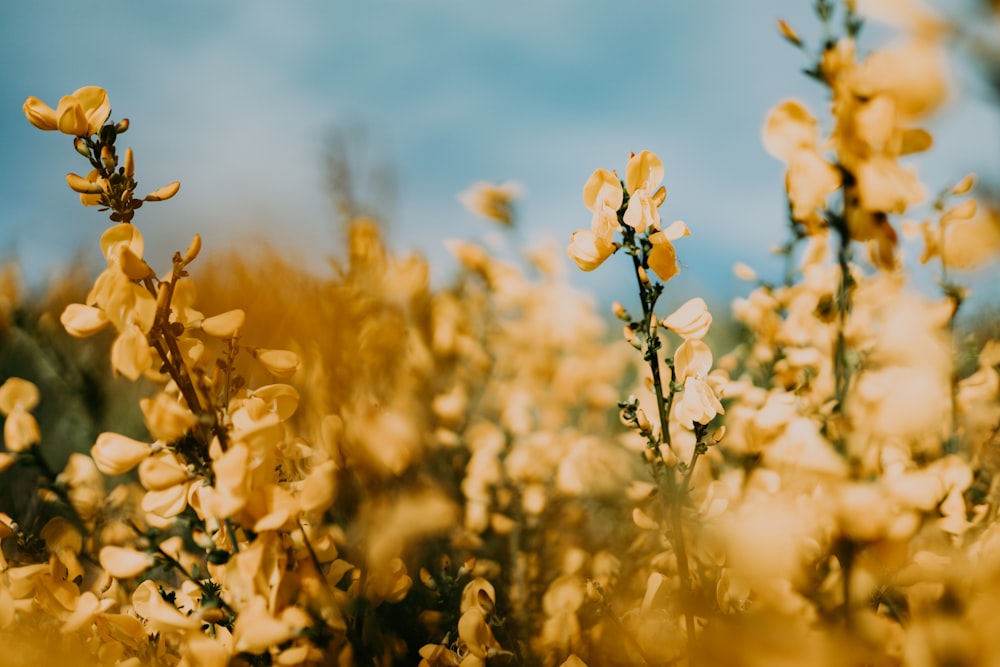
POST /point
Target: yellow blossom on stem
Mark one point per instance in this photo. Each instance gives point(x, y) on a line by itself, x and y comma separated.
point(588, 250)
point(791, 134)
point(131, 355)
point(663, 257)
point(116, 454)
point(689, 321)
point(162, 471)
point(476, 633)
point(698, 402)
point(643, 175)
point(603, 196)
point(166, 418)
point(81, 114)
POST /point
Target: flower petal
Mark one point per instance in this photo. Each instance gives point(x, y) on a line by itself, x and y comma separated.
point(81, 321)
point(40, 114)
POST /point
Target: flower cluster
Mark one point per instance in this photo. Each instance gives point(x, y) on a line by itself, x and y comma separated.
point(368, 469)
point(631, 208)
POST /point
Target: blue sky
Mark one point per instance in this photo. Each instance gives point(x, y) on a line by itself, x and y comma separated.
point(235, 99)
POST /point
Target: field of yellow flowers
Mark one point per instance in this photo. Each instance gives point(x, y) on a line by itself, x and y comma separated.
point(363, 469)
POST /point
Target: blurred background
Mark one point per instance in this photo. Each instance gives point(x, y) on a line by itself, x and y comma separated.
point(249, 104)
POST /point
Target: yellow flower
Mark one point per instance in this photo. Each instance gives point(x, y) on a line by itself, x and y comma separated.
point(162, 471)
point(166, 503)
point(81, 321)
point(698, 402)
point(643, 175)
point(88, 607)
point(20, 430)
point(91, 187)
point(438, 655)
point(131, 355)
point(81, 114)
point(589, 250)
point(690, 320)
point(282, 364)
point(476, 633)
point(495, 202)
point(791, 134)
point(166, 418)
point(64, 541)
point(602, 195)
point(164, 193)
point(84, 484)
point(256, 629)
point(663, 257)
point(116, 454)
point(225, 325)
point(912, 73)
point(120, 236)
point(160, 615)
point(17, 393)
point(124, 563)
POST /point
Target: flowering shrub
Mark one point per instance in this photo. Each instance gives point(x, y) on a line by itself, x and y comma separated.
point(366, 470)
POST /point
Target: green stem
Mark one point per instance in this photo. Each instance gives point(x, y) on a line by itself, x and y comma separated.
point(672, 501)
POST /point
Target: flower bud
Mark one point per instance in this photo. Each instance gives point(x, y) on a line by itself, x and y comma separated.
point(631, 338)
point(619, 310)
point(163, 298)
point(788, 33)
point(467, 566)
point(108, 157)
point(80, 144)
point(964, 185)
point(643, 277)
point(669, 457)
point(122, 126)
point(129, 163)
point(643, 521)
point(193, 249)
point(164, 193)
point(642, 421)
point(744, 272)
